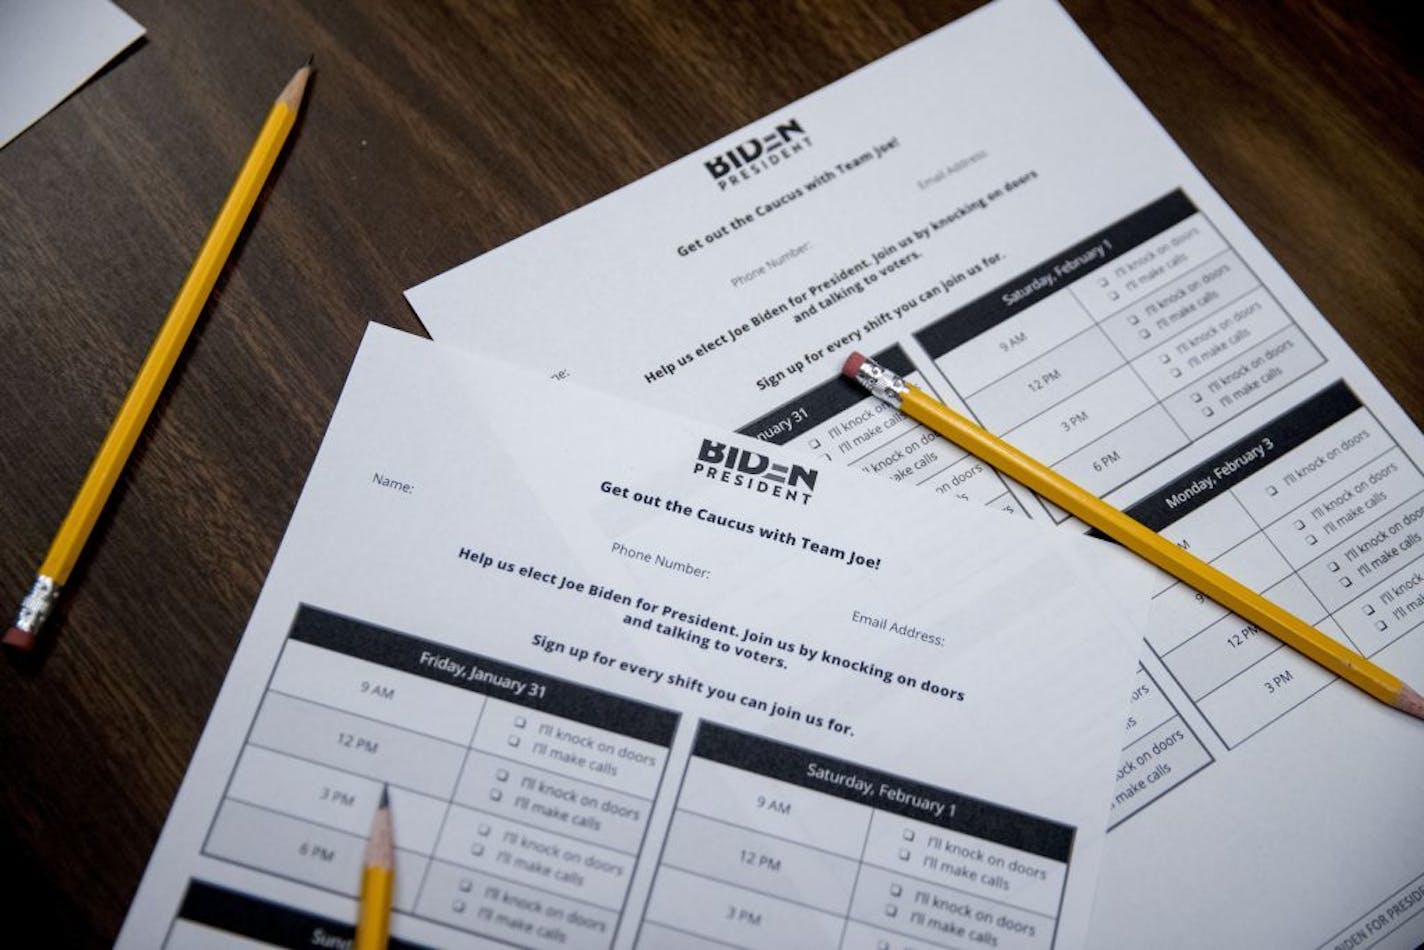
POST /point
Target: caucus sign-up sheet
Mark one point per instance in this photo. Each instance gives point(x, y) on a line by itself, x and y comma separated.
point(633, 682)
point(991, 212)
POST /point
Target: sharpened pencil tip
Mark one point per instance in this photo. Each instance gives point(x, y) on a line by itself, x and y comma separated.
point(310, 59)
point(385, 796)
point(296, 87)
point(1409, 701)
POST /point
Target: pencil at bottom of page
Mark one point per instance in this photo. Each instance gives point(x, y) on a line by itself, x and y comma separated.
point(1135, 536)
point(378, 877)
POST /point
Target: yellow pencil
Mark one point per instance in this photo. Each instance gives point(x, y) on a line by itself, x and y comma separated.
point(1136, 537)
point(377, 880)
point(64, 550)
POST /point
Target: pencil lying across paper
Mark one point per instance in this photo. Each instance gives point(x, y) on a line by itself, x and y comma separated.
point(109, 462)
point(378, 876)
point(1136, 537)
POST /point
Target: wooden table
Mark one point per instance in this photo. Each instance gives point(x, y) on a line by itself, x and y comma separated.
point(431, 135)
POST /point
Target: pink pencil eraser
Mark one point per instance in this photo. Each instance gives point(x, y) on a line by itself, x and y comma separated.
point(19, 639)
point(853, 364)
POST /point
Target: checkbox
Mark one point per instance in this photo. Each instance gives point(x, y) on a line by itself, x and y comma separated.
point(1299, 525)
point(815, 443)
point(1207, 411)
point(458, 906)
point(891, 910)
point(477, 849)
point(466, 885)
point(1113, 295)
point(1381, 625)
point(1369, 610)
point(904, 854)
point(909, 834)
point(496, 794)
point(1175, 373)
point(514, 742)
point(484, 831)
point(1164, 358)
point(1346, 582)
point(1332, 566)
point(1196, 397)
point(896, 890)
point(1310, 539)
point(882, 945)
point(1144, 334)
point(1102, 281)
point(1272, 490)
point(502, 775)
point(520, 722)
point(1134, 320)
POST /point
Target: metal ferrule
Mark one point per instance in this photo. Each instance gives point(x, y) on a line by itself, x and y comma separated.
point(882, 383)
point(37, 604)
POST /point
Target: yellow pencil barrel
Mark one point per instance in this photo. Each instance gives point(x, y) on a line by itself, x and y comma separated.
point(128, 425)
point(157, 366)
point(1135, 536)
point(373, 927)
point(1151, 546)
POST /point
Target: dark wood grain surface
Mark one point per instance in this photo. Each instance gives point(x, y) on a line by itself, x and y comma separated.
point(433, 132)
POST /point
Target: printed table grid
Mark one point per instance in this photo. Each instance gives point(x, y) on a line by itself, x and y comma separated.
point(878, 875)
point(1322, 590)
point(1179, 410)
point(489, 842)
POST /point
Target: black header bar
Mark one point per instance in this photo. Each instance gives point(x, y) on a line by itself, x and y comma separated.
point(275, 924)
point(1244, 458)
point(990, 310)
point(889, 793)
point(828, 400)
point(435, 661)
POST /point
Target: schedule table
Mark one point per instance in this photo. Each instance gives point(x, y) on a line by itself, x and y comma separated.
point(775, 846)
point(1122, 349)
point(521, 801)
point(1320, 510)
point(1109, 358)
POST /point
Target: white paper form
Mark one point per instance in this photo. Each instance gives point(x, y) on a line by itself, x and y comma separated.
point(992, 213)
point(48, 48)
point(634, 683)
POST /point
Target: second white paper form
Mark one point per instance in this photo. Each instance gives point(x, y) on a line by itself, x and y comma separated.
point(991, 212)
point(633, 685)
